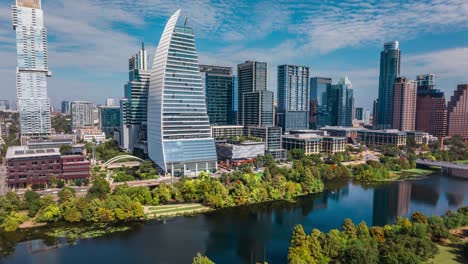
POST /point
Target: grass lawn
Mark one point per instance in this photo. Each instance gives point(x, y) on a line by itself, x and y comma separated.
point(448, 255)
point(173, 210)
point(461, 161)
point(419, 171)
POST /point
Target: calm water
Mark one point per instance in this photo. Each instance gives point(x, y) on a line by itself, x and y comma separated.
point(254, 233)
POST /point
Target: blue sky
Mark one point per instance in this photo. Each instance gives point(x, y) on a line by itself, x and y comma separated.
point(90, 40)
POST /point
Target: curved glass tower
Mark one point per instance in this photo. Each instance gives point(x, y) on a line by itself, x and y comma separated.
point(179, 138)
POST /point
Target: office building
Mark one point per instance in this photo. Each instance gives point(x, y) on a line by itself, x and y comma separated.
point(314, 144)
point(389, 70)
point(65, 109)
point(340, 100)
point(218, 84)
point(457, 112)
point(134, 107)
point(179, 139)
point(109, 119)
point(82, 114)
point(272, 138)
point(293, 97)
point(48, 141)
point(382, 137)
point(226, 132)
point(239, 150)
point(4, 105)
point(359, 113)
point(366, 114)
point(404, 104)
point(32, 71)
point(26, 166)
point(91, 134)
point(255, 102)
point(110, 102)
point(319, 114)
point(431, 110)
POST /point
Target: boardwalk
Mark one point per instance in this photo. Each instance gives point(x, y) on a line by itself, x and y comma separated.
point(449, 168)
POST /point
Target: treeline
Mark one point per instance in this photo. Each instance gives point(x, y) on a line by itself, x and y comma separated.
point(409, 241)
point(458, 150)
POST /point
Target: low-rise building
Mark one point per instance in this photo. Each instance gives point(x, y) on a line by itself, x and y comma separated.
point(48, 141)
point(34, 166)
point(236, 150)
point(314, 144)
point(332, 145)
point(382, 137)
point(225, 132)
point(417, 136)
point(91, 134)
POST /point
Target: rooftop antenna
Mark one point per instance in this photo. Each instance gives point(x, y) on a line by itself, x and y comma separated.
point(185, 23)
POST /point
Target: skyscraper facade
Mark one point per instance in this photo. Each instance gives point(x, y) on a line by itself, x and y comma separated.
point(179, 137)
point(65, 109)
point(457, 110)
point(4, 105)
point(293, 97)
point(109, 119)
point(82, 114)
point(255, 102)
point(431, 110)
point(134, 106)
point(359, 113)
point(319, 115)
point(32, 71)
point(340, 100)
point(218, 84)
point(404, 104)
point(389, 70)
point(110, 102)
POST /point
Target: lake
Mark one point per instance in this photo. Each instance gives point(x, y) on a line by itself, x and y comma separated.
point(253, 233)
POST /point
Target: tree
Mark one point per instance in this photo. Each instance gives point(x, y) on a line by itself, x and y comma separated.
point(66, 194)
point(50, 213)
point(333, 244)
point(418, 217)
point(65, 149)
point(348, 228)
point(13, 199)
point(163, 192)
point(362, 231)
point(199, 259)
point(32, 202)
point(100, 189)
point(53, 180)
point(377, 233)
point(70, 211)
point(299, 251)
point(361, 251)
point(12, 221)
point(240, 194)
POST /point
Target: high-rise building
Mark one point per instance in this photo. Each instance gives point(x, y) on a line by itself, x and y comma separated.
point(389, 70)
point(110, 102)
point(431, 110)
point(340, 100)
point(255, 102)
point(32, 70)
point(404, 104)
point(109, 119)
point(218, 84)
point(457, 112)
point(359, 113)
point(65, 108)
point(293, 97)
point(179, 137)
point(82, 114)
point(319, 115)
point(4, 105)
point(134, 107)
point(366, 116)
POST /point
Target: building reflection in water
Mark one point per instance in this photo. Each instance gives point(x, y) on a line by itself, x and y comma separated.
point(391, 201)
point(424, 194)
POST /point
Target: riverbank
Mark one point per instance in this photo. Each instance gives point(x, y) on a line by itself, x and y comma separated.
point(167, 211)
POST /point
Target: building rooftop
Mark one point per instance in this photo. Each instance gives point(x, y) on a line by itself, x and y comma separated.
point(23, 152)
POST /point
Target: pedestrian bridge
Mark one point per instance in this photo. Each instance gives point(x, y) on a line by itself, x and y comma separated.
point(447, 168)
point(129, 161)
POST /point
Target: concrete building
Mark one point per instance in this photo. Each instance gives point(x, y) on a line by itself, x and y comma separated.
point(26, 166)
point(255, 102)
point(332, 145)
point(314, 144)
point(293, 97)
point(225, 132)
point(404, 104)
point(91, 134)
point(4, 105)
point(382, 137)
point(389, 70)
point(179, 136)
point(110, 102)
point(457, 112)
point(272, 138)
point(109, 119)
point(431, 110)
point(341, 103)
point(82, 114)
point(319, 114)
point(218, 82)
point(48, 141)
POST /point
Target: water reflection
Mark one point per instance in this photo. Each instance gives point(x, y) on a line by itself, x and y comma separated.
point(390, 201)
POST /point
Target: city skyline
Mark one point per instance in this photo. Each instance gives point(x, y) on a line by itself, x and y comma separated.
point(75, 43)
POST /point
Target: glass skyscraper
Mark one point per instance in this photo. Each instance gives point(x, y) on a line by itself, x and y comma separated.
point(218, 83)
point(179, 138)
point(341, 102)
point(389, 70)
point(134, 106)
point(319, 115)
point(293, 97)
point(32, 70)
